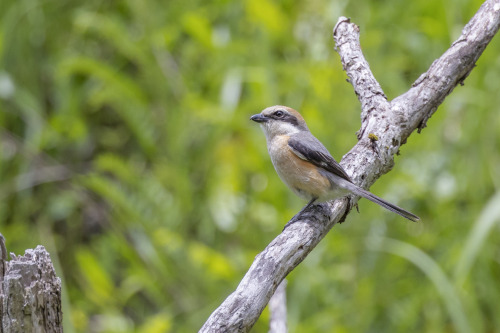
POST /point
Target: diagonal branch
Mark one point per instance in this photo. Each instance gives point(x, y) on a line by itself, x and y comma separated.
point(385, 127)
point(369, 92)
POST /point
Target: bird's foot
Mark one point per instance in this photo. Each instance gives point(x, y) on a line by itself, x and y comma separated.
point(296, 216)
point(292, 221)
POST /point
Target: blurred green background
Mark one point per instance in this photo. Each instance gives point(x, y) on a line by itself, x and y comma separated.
point(127, 151)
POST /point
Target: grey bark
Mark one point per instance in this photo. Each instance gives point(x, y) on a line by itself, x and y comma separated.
point(30, 292)
point(277, 308)
point(385, 126)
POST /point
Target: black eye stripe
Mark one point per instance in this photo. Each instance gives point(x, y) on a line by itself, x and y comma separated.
point(287, 118)
point(284, 117)
point(292, 120)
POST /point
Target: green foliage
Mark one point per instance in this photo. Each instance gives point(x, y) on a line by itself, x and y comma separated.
point(126, 150)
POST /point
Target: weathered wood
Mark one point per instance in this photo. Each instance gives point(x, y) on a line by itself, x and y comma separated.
point(30, 293)
point(385, 126)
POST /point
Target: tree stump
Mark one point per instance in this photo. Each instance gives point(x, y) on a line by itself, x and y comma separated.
point(30, 292)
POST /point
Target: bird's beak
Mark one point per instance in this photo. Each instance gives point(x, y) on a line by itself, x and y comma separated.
point(259, 118)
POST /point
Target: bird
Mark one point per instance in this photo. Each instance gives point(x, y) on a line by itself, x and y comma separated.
point(305, 165)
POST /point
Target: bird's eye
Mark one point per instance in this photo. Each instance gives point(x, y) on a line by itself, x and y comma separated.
point(279, 113)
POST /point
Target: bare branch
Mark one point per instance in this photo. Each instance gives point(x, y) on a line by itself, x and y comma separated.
point(385, 127)
point(369, 92)
point(241, 309)
point(277, 307)
point(451, 69)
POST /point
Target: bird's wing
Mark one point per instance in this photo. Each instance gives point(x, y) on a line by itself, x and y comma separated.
point(312, 150)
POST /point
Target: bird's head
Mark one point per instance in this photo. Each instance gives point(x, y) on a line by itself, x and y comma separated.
point(280, 120)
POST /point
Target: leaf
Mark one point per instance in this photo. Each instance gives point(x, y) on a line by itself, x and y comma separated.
point(433, 272)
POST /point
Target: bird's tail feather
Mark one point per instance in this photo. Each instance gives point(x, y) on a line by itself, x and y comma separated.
point(387, 205)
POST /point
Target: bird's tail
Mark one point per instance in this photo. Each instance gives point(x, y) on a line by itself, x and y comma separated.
point(387, 205)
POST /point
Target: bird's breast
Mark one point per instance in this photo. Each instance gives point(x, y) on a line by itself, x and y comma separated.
point(301, 176)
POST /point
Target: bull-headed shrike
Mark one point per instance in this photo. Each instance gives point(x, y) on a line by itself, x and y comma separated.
point(305, 165)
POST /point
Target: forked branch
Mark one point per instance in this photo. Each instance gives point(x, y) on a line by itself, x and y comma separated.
point(391, 123)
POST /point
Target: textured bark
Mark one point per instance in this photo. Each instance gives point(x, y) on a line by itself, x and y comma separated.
point(385, 126)
point(30, 293)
